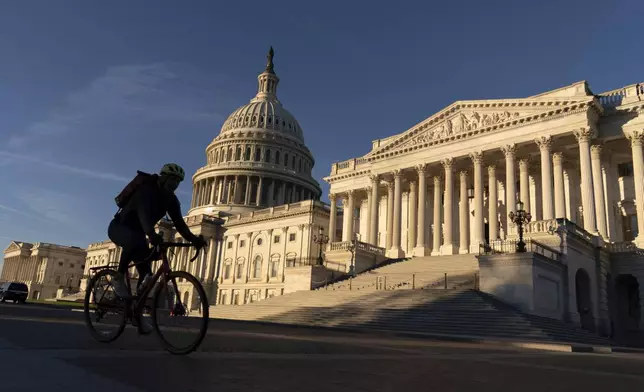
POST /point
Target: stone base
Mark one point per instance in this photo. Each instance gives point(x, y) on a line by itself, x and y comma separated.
point(395, 253)
point(421, 251)
point(463, 251)
point(448, 250)
point(639, 241)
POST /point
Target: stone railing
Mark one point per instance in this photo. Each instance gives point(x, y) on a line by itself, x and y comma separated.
point(251, 164)
point(300, 206)
point(510, 246)
point(542, 226)
point(362, 246)
point(348, 165)
point(624, 247)
point(621, 96)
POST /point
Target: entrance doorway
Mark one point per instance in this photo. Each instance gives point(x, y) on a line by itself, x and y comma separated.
point(584, 300)
point(627, 303)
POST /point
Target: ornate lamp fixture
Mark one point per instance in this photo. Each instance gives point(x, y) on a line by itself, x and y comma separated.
point(320, 239)
point(520, 218)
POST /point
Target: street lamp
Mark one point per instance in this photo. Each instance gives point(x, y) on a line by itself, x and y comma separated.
point(521, 217)
point(352, 248)
point(320, 239)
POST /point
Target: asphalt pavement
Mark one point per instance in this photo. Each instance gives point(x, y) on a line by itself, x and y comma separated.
point(47, 347)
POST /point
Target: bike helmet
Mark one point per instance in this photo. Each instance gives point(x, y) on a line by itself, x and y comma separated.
point(173, 169)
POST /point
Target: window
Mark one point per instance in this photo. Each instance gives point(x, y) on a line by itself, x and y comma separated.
point(238, 154)
point(257, 267)
point(83, 266)
point(259, 241)
point(274, 268)
point(242, 243)
point(285, 159)
point(60, 264)
point(276, 239)
point(240, 270)
point(223, 298)
point(258, 154)
point(267, 157)
point(227, 271)
point(57, 279)
point(247, 157)
point(625, 169)
point(291, 237)
point(277, 157)
point(71, 266)
point(230, 245)
point(293, 162)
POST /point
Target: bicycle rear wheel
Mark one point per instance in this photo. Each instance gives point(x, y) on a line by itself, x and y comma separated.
point(171, 306)
point(101, 301)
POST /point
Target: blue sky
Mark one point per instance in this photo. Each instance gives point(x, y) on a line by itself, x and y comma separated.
point(91, 91)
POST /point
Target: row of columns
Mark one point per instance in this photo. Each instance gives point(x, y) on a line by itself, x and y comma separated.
point(553, 198)
point(257, 153)
point(20, 269)
point(259, 190)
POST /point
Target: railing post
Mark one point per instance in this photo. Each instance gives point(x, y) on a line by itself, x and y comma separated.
point(413, 282)
point(445, 280)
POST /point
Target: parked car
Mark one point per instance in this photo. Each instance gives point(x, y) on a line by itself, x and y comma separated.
point(13, 291)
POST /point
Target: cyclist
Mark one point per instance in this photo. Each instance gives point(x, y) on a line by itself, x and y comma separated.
point(148, 203)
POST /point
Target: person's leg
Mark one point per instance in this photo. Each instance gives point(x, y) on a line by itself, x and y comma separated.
point(133, 245)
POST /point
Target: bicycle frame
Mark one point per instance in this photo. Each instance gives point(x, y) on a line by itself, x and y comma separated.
point(164, 270)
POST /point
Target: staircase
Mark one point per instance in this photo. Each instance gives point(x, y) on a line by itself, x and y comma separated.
point(426, 309)
point(419, 272)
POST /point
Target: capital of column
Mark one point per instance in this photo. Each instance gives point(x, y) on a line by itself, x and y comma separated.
point(636, 138)
point(557, 158)
point(595, 151)
point(448, 163)
point(544, 142)
point(284, 229)
point(269, 232)
point(437, 180)
point(491, 169)
point(412, 186)
point(476, 157)
point(584, 134)
point(368, 188)
point(463, 174)
point(374, 178)
point(523, 163)
point(509, 150)
point(332, 196)
point(397, 173)
point(421, 169)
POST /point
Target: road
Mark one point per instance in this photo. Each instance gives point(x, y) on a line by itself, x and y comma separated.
point(45, 347)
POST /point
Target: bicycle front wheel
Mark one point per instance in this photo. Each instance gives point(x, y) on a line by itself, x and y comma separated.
point(105, 313)
point(180, 299)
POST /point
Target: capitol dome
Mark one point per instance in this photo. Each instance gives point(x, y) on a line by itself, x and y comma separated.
point(259, 158)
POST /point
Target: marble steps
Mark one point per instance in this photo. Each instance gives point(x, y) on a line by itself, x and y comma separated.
point(455, 313)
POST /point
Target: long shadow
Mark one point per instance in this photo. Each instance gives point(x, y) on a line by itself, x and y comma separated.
point(460, 312)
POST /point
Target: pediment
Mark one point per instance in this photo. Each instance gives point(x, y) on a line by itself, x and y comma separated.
point(463, 119)
point(14, 246)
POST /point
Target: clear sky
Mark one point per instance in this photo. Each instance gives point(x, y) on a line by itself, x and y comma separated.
point(91, 91)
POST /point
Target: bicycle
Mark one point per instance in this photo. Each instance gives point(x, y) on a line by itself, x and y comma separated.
point(134, 306)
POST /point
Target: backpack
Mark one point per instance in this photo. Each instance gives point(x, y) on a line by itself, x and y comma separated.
point(126, 194)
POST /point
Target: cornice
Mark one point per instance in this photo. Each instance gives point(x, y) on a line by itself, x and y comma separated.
point(317, 211)
point(208, 172)
point(344, 176)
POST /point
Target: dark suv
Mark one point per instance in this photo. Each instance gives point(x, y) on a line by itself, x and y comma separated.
point(13, 291)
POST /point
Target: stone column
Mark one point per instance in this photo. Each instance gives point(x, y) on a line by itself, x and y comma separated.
point(348, 203)
point(479, 222)
point(510, 184)
point(598, 188)
point(333, 211)
point(524, 183)
point(194, 196)
point(493, 201)
point(396, 252)
point(367, 216)
point(421, 247)
point(464, 216)
point(545, 144)
point(583, 136)
point(283, 193)
point(611, 189)
point(212, 190)
point(436, 247)
point(259, 193)
point(390, 215)
point(222, 184)
point(270, 199)
point(448, 205)
point(560, 200)
point(413, 211)
point(375, 203)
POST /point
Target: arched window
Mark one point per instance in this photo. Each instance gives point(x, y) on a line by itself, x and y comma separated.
point(293, 162)
point(267, 157)
point(257, 267)
point(258, 154)
point(216, 157)
point(286, 160)
point(300, 165)
point(238, 154)
point(275, 265)
point(277, 157)
point(247, 157)
point(230, 154)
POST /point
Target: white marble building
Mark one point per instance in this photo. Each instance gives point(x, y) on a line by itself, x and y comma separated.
point(446, 185)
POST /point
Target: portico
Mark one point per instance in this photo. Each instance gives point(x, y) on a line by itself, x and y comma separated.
point(446, 185)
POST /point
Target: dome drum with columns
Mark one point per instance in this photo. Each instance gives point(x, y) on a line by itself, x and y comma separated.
point(258, 160)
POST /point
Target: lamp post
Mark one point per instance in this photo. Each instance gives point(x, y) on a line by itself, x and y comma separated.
point(520, 218)
point(352, 248)
point(320, 239)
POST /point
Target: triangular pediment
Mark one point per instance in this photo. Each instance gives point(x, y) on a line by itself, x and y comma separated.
point(15, 245)
point(466, 118)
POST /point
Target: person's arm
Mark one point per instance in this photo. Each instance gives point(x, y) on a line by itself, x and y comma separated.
point(142, 207)
point(174, 210)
